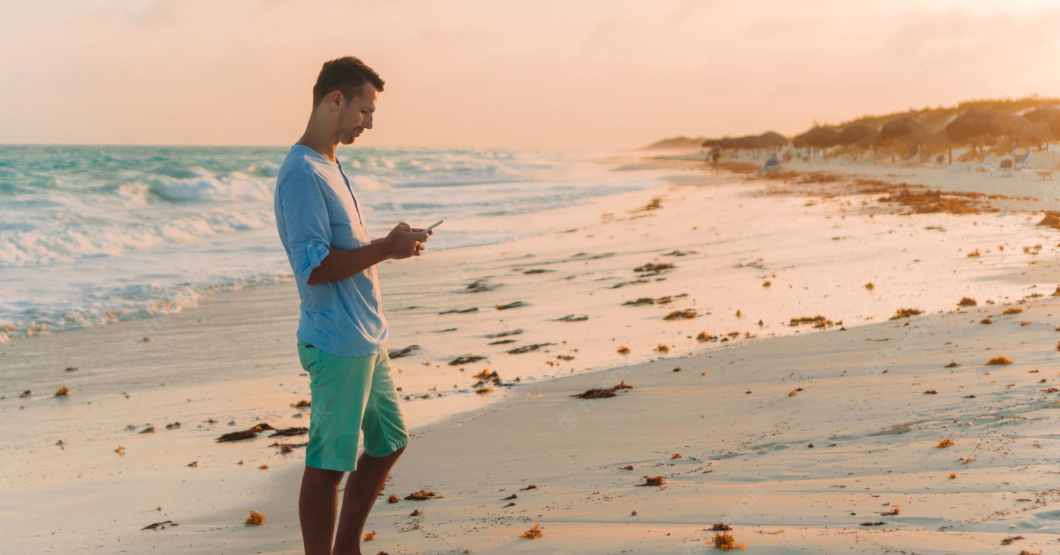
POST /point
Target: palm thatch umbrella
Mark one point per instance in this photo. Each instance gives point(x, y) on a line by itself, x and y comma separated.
point(769, 139)
point(857, 133)
point(772, 139)
point(978, 126)
point(902, 128)
point(1043, 114)
point(818, 137)
point(1054, 128)
point(1034, 133)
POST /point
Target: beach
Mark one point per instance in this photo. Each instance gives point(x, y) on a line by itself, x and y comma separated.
point(780, 340)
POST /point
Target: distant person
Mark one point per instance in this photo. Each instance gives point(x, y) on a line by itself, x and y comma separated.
point(714, 156)
point(342, 333)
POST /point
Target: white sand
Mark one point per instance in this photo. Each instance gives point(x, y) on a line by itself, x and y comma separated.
point(233, 359)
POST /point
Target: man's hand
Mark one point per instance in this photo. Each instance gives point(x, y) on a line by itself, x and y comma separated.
point(403, 241)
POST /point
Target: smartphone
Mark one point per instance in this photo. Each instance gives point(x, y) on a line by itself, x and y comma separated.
point(436, 224)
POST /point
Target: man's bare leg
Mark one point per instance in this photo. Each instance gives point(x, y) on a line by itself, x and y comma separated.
point(317, 505)
point(362, 488)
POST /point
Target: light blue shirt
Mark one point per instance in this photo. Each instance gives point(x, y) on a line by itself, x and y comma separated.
point(316, 211)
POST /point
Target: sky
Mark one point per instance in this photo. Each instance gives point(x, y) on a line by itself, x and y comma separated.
point(570, 74)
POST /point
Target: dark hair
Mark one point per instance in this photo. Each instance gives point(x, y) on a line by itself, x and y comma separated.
point(346, 75)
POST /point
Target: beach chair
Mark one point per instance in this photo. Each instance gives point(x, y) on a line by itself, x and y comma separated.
point(1020, 160)
point(913, 157)
point(1004, 167)
point(987, 164)
point(1039, 166)
point(772, 165)
point(938, 162)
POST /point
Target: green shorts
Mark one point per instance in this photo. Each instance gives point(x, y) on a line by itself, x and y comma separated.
point(350, 395)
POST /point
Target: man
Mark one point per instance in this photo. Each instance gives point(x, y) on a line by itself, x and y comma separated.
point(341, 332)
point(715, 155)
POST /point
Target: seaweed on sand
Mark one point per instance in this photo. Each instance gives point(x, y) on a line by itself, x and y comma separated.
point(465, 360)
point(249, 433)
point(288, 432)
point(655, 268)
point(532, 533)
point(460, 310)
point(653, 481)
point(906, 313)
point(597, 393)
point(504, 334)
point(686, 314)
point(725, 542)
point(527, 348)
point(398, 353)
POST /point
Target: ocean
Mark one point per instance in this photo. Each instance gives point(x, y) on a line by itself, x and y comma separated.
point(98, 234)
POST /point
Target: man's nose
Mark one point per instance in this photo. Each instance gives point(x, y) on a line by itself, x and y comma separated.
point(368, 123)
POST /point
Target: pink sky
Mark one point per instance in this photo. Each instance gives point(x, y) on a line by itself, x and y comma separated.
point(539, 74)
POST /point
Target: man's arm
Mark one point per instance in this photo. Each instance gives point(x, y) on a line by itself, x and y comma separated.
point(339, 264)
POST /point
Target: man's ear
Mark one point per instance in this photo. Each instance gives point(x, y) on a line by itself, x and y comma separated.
point(335, 100)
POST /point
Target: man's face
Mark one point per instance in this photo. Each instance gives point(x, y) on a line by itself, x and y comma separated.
point(356, 115)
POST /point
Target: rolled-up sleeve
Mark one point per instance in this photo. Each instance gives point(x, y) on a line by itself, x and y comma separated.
point(306, 220)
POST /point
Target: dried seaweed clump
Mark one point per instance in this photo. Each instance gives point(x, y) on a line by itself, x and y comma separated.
point(369, 536)
point(687, 314)
point(967, 301)
point(662, 348)
point(527, 348)
point(817, 321)
point(533, 533)
point(725, 542)
point(420, 496)
point(255, 518)
point(999, 361)
point(721, 527)
point(653, 481)
point(303, 404)
point(986, 321)
point(1051, 219)
point(655, 268)
point(623, 350)
point(287, 432)
point(1013, 310)
point(703, 337)
point(870, 286)
point(975, 254)
point(393, 499)
point(906, 313)
point(249, 433)
point(486, 375)
point(930, 202)
point(946, 442)
point(465, 360)
point(63, 392)
point(603, 393)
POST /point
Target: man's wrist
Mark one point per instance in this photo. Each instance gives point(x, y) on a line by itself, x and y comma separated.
point(384, 249)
